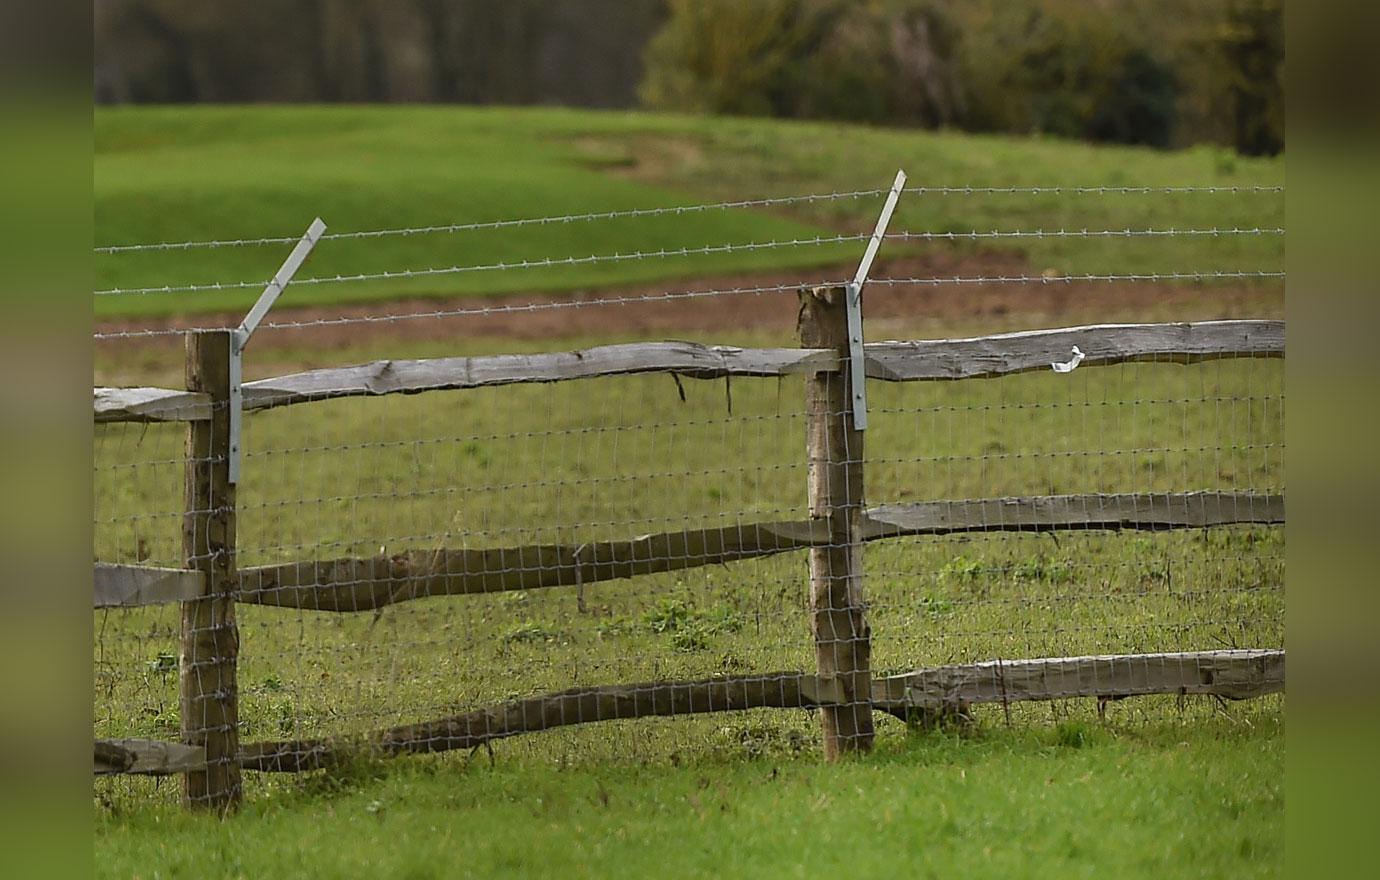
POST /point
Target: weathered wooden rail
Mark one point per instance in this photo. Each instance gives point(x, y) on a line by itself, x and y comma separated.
point(1229, 674)
point(126, 586)
point(147, 757)
point(366, 584)
point(926, 360)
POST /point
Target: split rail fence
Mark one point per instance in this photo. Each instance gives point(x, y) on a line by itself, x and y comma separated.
point(844, 687)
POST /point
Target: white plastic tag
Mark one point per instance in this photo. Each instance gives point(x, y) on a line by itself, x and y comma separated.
point(1069, 365)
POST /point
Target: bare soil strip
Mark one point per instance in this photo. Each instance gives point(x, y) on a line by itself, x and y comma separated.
point(893, 311)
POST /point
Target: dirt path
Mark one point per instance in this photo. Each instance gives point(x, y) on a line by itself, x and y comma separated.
point(893, 310)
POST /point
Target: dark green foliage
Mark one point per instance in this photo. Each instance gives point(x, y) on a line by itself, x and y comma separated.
point(885, 61)
point(1074, 734)
point(580, 52)
point(1152, 73)
point(690, 628)
point(1251, 44)
point(1071, 74)
point(1138, 106)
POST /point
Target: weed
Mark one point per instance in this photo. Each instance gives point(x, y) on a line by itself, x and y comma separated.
point(935, 607)
point(755, 741)
point(614, 628)
point(691, 636)
point(1042, 569)
point(1073, 734)
point(165, 662)
point(668, 616)
point(529, 632)
point(691, 629)
point(286, 717)
point(961, 569)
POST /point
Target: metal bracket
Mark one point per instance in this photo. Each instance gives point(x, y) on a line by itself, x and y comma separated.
point(857, 363)
point(239, 337)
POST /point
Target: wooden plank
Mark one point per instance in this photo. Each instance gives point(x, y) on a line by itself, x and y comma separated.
point(125, 586)
point(353, 584)
point(364, 584)
point(834, 452)
point(1101, 344)
point(416, 376)
point(1231, 674)
point(984, 356)
point(210, 639)
point(150, 405)
point(1149, 511)
point(413, 376)
point(146, 757)
point(780, 690)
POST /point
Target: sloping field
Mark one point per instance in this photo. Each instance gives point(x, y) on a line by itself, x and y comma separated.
point(172, 175)
point(1157, 786)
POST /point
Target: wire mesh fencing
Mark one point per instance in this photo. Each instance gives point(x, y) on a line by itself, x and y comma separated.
point(1109, 442)
point(439, 553)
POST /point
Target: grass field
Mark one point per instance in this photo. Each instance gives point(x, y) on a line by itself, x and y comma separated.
point(216, 173)
point(1069, 801)
point(1158, 788)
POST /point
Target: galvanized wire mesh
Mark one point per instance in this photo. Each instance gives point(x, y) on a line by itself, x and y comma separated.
point(1147, 428)
point(393, 481)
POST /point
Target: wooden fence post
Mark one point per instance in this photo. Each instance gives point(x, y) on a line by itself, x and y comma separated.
point(843, 644)
point(210, 636)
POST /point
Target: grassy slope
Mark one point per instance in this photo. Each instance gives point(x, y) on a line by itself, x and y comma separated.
point(1158, 792)
point(227, 172)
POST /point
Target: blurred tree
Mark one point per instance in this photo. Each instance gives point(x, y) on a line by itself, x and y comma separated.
point(872, 61)
point(1251, 43)
point(586, 52)
point(1071, 70)
point(726, 56)
point(884, 61)
point(1158, 72)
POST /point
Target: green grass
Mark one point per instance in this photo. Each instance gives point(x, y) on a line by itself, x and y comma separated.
point(1069, 801)
point(165, 174)
point(618, 457)
point(626, 456)
point(1162, 787)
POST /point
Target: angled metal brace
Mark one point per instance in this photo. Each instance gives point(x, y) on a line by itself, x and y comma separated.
point(857, 366)
point(240, 337)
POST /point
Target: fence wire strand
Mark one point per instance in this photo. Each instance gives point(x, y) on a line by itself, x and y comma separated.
point(499, 224)
point(681, 209)
point(541, 263)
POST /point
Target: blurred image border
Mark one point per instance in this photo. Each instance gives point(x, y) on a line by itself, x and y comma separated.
point(1334, 190)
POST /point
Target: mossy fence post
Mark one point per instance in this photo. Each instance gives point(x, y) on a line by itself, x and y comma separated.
point(834, 447)
point(210, 639)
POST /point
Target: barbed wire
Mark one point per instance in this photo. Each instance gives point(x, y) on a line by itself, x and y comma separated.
point(480, 311)
point(1084, 233)
point(542, 263)
point(495, 224)
point(1057, 278)
point(1087, 190)
point(445, 228)
point(548, 262)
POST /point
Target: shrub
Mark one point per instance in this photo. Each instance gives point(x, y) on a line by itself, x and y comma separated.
point(1128, 73)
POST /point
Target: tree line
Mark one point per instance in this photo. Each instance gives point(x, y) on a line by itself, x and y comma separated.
point(1156, 72)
